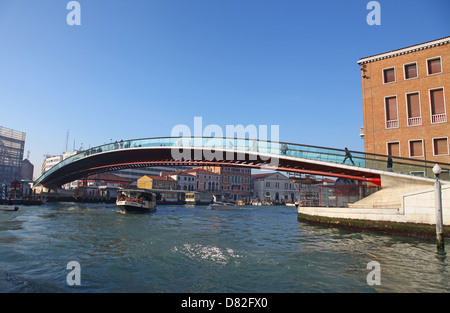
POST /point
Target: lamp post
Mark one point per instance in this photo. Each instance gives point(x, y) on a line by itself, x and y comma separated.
point(438, 206)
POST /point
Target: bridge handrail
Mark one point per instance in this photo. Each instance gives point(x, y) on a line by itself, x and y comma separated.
point(361, 159)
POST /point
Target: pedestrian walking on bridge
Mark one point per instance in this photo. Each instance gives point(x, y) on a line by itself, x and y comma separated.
point(348, 155)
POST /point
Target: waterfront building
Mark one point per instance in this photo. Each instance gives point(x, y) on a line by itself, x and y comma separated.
point(134, 174)
point(406, 101)
point(235, 183)
point(206, 181)
point(185, 181)
point(27, 170)
point(157, 182)
point(196, 179)
point(50, 161)
point(274, 187)
point(105, 179)
point(12, 143)
point(99, 186)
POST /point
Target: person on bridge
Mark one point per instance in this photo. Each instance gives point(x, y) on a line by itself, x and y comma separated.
point(389, 163)
point(348, 155)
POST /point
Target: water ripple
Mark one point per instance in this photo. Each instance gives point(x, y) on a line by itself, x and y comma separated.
point(192, 249)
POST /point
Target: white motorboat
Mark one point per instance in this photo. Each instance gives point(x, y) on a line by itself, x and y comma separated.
point(224, 205)
point(7, 207)
point(136, 201)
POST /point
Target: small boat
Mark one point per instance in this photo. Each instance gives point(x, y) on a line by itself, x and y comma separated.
point(8, 207)
point(223, 205)
point(136, 201)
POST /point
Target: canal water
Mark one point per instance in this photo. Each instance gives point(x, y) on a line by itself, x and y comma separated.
point(182, 249)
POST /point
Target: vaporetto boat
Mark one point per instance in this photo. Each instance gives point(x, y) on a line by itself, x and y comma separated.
point(136, 201)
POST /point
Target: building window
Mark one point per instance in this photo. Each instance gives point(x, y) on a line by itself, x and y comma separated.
point(391, 112)
point(440, 146)
point(434, 66)
point(389, 75)
point(393, 148)
point(438, 114)
point(414, 114)
point(416, 148)
point(411, 71)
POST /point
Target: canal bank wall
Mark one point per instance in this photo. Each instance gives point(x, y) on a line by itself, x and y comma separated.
point(408, 213)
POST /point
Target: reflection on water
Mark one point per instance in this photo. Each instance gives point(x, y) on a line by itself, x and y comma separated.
point(192, 249)
point(208, 253)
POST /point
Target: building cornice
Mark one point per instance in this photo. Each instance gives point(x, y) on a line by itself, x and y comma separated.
point(394, 53)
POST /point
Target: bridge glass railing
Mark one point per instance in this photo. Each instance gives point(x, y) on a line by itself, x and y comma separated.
point(406, 166)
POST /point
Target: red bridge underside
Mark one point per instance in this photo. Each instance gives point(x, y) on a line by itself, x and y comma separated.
point(138, 158)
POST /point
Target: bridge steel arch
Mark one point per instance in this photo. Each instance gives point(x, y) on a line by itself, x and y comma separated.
point(250, 153)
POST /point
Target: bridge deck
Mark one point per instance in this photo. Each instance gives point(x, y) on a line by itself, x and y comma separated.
point(232, 152)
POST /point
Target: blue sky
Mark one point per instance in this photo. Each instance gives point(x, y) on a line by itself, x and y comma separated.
point(137, 68)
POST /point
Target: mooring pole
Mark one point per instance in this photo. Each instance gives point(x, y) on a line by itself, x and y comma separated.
point(438, 207)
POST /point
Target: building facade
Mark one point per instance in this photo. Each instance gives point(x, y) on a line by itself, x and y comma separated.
point(235, 183)
point(206, 181)
point(134, 174)
point(195, 179)
point(12, 144)
point(50, 161)
point(104, 179)
point(274, 188)
point(27, 170)
point(406, 101)
point(157, 182)
point(185, 181)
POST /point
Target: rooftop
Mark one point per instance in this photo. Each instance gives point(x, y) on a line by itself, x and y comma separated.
point(410, 49)
point(164, 178)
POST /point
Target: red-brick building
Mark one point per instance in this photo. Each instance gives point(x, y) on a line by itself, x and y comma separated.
point(406, 101)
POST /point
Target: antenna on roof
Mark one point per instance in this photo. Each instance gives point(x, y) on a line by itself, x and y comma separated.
point(67, 140)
